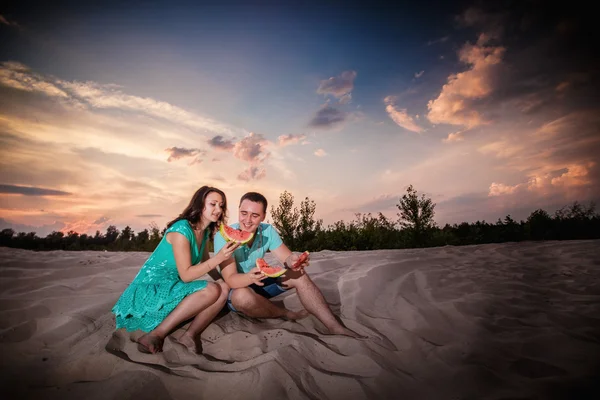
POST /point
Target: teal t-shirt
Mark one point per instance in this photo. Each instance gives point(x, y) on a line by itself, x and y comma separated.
point(266, 239)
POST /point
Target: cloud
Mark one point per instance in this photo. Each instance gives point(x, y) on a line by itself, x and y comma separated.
point(320, 153)
point(455, 104)
point(82, 226)
point(570, 179)
point(491, 22)
point(6, 21)
point(101, 96)
point(251, 148)
point(327, 117)
point(101, 220)
point(17, 76)
point(219, 143)
point(498, 189)
point(31, 191)
point(339, 87)
point(178, 153)
point(111, 161)
point(454, 137)
point(218, 178)
point(252, 173)
point(149, 215)
point(285, 140)
point(561, 87)
point(400, 116)
point(443, 39)
point(559, 159)
point(419, 74)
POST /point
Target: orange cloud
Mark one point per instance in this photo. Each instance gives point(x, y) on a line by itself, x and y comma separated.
point(400, 116)
point(285, 140)
point(499, 189)
point(454, 104)
point(84, 226)
point(454, 137)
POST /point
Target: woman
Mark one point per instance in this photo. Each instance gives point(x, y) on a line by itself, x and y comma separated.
point(165, 291)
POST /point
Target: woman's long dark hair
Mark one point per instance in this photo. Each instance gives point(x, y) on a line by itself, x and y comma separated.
point(193, 212)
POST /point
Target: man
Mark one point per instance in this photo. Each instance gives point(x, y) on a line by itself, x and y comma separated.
point(250, 289)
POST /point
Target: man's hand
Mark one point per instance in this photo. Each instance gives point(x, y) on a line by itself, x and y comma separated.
point(292, 259)
point(256, 276)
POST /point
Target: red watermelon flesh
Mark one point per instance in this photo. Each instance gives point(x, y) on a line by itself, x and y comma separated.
point(235, 235)
point(303, 257)
point(268, 270)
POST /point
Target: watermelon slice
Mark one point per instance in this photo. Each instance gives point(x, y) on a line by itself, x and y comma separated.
point(235, 235)
point(268, 270)
point(303, 257)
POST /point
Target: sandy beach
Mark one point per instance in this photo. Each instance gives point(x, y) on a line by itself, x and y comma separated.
point(500, 321)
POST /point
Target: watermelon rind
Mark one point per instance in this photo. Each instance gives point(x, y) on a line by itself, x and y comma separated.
point(228, 238)
point(261, 263)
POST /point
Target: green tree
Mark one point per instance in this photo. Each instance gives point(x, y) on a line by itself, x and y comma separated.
point(6, 236)
point(416, 215)
point(155, 237)
point(539, 225)
point(112, 233)
point(308, 228)
point(141, 240)
point(124, 241)
point(286, 219)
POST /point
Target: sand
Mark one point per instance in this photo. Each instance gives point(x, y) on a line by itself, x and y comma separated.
point(500, 321)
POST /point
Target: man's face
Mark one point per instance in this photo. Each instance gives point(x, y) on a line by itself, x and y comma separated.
point(251, 215)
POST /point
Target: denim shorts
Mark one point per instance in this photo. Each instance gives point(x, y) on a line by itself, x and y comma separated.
point(270, 289)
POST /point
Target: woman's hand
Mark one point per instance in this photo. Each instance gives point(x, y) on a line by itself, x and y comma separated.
point(227, 251)
point(256, 276)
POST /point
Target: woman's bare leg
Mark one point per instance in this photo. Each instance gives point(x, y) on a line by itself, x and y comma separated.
point(191, 337)
point(189, 307)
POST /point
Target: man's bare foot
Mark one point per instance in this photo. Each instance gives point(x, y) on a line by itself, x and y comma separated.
point(150, 344)
point(346, 332)
point(294, 315)
point(193, 343)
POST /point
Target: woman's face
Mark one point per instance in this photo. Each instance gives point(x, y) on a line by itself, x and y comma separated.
point(213, 207)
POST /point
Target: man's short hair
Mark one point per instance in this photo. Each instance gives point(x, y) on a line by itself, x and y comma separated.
point(256, 198)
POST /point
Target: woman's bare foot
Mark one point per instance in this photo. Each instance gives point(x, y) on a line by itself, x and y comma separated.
point(193, 343)
point(294, 315)
point(149, 343)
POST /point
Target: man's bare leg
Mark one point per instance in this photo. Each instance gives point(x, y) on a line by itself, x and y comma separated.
point(246, 301)
point(312, 299)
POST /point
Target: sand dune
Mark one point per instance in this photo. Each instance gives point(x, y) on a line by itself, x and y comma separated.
point(505, 321)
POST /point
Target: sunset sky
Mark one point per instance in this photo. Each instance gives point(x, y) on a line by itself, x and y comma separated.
point(116, 114)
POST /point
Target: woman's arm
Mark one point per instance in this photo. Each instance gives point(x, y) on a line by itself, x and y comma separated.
point(183, 257)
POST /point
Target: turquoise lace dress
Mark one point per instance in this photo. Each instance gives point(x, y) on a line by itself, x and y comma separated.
point(157, 289)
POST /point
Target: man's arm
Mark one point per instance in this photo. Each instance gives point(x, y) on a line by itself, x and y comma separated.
point(288, 258)
point(235, 280)
point(283, 253)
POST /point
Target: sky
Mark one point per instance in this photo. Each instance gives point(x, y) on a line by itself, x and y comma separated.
point(115, 113)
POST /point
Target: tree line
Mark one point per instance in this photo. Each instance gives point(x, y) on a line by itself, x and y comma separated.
point(112, 240)
point(415, 227)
